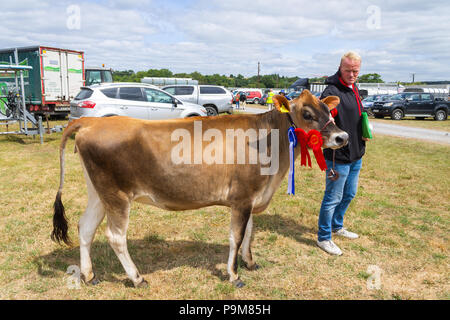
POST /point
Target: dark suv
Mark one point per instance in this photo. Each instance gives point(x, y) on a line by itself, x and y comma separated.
point(412, 104)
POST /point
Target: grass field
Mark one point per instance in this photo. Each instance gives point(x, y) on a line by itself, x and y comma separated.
point(401, 213)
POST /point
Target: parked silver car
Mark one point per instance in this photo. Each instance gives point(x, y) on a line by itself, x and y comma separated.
point(136, 100)
point(215, 99)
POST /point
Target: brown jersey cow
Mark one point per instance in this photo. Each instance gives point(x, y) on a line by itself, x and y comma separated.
point(236, 161)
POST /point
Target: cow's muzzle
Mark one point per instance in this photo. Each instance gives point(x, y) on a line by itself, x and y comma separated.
point(337, 140)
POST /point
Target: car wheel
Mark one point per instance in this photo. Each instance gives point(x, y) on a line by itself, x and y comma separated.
point(397, 114)
point(256, 101)
point(440, 115)
point(211, 111)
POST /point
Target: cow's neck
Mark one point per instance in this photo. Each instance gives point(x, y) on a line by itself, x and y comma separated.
point(281, 121)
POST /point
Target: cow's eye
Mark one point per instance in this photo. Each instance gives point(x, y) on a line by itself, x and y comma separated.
point(307, 115)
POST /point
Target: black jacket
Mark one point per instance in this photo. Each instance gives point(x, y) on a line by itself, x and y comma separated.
point(348, 118)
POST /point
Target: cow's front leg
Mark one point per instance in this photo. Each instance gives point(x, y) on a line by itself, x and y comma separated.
point(239, 219)
point(246, 246)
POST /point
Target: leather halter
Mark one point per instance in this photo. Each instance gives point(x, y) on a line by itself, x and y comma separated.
point(293, 123)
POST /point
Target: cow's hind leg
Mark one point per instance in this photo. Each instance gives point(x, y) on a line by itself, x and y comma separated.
point(239, 219)
point(246, 246)
point(87, 226)
point(116, 232)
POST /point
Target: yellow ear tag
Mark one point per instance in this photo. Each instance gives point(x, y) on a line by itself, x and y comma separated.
point(283, 109)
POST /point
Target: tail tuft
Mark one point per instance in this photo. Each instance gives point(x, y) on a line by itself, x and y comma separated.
point(60, 225)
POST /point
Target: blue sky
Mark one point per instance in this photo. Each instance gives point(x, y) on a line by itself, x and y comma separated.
point(288, 37)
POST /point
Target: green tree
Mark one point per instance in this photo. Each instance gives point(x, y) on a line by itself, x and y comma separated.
point(268, 81)
point(318, 79)
point(370, 77)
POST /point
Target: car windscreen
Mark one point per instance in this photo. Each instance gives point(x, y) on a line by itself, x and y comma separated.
point(85, 93)
point(93, 77)
point(107, 76)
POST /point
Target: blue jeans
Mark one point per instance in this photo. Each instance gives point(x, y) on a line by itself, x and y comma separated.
point(337, 197)
point(237, 104)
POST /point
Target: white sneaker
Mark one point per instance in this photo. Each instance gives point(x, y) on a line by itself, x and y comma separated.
point(345, 233)
point(329, 247)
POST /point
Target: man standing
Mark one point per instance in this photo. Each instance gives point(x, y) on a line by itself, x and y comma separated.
point(269, 100)
point(347, 160)
point(237, 98)
point(243, 100)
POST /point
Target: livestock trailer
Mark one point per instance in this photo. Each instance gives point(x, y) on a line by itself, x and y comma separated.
point(55, 79)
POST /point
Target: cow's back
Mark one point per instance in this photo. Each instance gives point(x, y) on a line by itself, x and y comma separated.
point(135, 157)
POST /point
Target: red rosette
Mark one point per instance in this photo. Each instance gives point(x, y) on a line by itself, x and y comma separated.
point(302, 138)
point(313, 139)
point(315, 142)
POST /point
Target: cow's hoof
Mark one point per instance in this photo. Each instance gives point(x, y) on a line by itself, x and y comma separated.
point(252, 267)
point(93, 282)
point(238, 283)
point(142, 284)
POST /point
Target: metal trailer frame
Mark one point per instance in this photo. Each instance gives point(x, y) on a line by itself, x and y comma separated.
point(23, 117)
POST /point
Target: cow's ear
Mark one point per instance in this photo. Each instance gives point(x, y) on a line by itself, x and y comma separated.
point(305, 93)
point(331, 101)
point(281, 103)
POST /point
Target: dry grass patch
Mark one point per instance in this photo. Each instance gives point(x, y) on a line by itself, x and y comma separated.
point(401, 213)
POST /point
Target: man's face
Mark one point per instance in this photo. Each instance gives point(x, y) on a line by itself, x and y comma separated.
point(350, 70)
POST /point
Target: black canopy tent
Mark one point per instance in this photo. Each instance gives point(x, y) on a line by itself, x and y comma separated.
point(299, 84)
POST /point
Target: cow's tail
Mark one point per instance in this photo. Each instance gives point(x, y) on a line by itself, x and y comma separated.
point(60, 226)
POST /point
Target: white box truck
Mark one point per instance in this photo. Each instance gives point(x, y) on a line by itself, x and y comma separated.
point(55, 79)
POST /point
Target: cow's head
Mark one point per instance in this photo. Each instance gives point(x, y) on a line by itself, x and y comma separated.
point(309, 113)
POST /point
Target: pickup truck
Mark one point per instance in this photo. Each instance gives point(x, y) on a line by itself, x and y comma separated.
point(412, 104)
point(215, 99)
